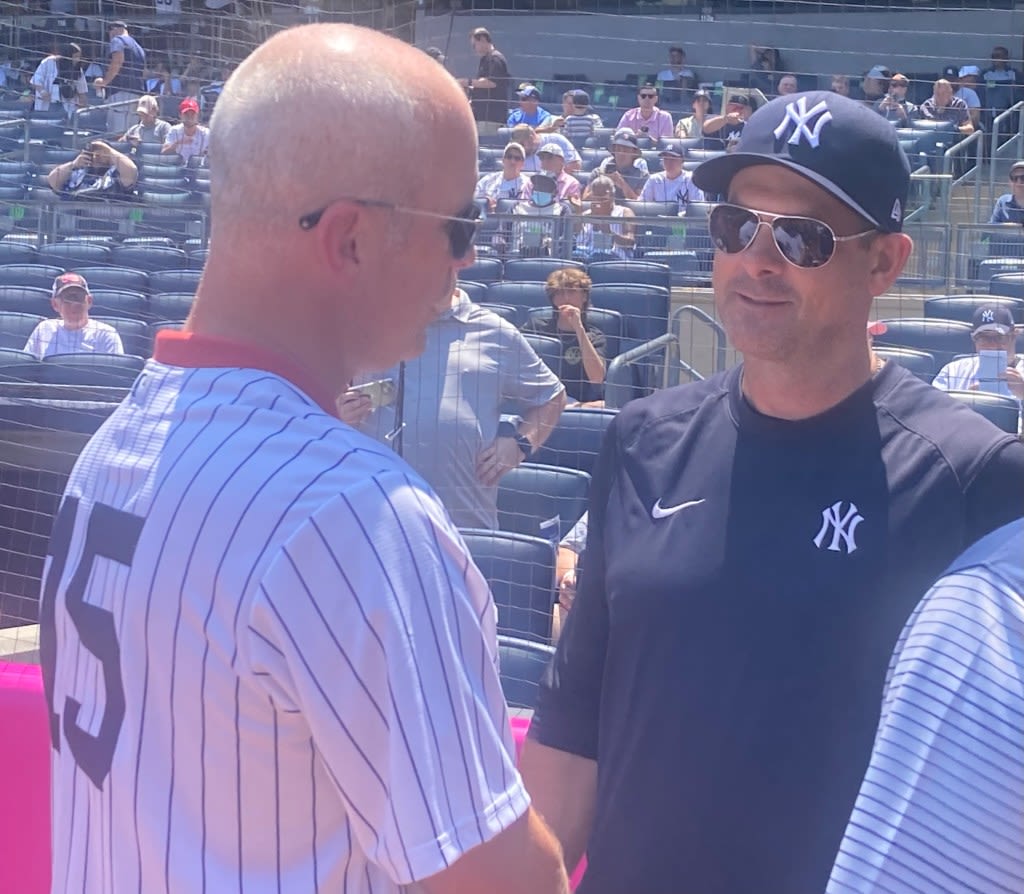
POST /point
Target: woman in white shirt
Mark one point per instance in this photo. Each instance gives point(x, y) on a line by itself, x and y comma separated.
point(60, 78)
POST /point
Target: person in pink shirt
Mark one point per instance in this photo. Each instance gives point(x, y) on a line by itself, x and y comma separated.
point(647, 120)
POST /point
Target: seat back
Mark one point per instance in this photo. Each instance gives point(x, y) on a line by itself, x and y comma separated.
point(109, 277)
point(576, 441)
point(548, 349)
point(920, 363)
point(518, 294)
point(522, 664)
point(171, 305)
point(15, 328)
point(485, 270)
point(26, 299)
point(17, 253)
point(1001, 411)
point(943, 339)
point(962, 307)
point(1009, 284)
point(39, 276)
point(73, 254)
point(636, 272)
point(149, 257)
point(476, 291)
point(101, 370)
point(521, 573)
point(536, 269)
point(136, 337)
point(507, 312)
point(644, 308)
point(119, 303)
point(543, 501)
point(174, 281)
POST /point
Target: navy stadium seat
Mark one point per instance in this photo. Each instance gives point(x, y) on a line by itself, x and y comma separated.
point(943, 339)
point(171, 305)
point(610, 323)
point(38, 275)
point(548, 349)
point(1001, 411)
point(485, 270)
point(149, 257)
point(477, 291)
point(1009, 284)
point(26, 299)
point(644, 308)
point(197, 258)
point(962, 307)
point(522, 665)
point(536, 269)
point(543, 501)
point(521, 573)
point(174, 281)
point(119, 303)
point(15, 328)
point(576, 441)
point(136, 337)
point(990, 268)
point(103, 370)
point(125, 278)
point(507, 312)
point(635, 272)
point(17, 253)
point(169, 325)
point(518, 294)
point(71, 254)
point(920, 363)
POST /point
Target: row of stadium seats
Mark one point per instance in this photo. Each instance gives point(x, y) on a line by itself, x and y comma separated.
point(149, 255)
point(136, 334)
point(122, 303)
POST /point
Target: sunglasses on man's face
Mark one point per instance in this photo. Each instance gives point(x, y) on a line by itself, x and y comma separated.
point(648, 95)
point(1017, 178)
point(803, 241)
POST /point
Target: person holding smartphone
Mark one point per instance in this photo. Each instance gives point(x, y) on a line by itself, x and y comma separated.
point(996, 366)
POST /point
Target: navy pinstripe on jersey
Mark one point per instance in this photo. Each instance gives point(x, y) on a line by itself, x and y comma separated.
point(306, 654)
point(942, 804)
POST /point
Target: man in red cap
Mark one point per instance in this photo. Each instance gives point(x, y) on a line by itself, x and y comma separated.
point(189, 138)
point(73, 332)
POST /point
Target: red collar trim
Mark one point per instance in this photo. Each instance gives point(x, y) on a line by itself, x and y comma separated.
point(193, 350)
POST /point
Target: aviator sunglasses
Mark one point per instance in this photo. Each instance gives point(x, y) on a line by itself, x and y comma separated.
point(460, 228)
point(803, 241)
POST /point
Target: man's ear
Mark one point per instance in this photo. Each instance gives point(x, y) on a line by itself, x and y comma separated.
point(888, 255)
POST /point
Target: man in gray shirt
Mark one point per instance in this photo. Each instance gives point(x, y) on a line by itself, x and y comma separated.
point(475, 368)
point(151, 128)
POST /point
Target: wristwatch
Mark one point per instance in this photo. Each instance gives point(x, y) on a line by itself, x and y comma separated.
point(507, 429)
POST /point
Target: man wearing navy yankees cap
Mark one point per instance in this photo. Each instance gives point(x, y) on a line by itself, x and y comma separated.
point(757, 540)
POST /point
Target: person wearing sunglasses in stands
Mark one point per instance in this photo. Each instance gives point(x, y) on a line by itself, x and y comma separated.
point(1009, 208)
point(647, 120)
point(758, 539)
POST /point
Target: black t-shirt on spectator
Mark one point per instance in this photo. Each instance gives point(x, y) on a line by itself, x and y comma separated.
point(491, 103)
point(572, 373)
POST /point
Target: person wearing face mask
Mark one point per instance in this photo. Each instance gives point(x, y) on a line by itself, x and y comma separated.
point(536, 229)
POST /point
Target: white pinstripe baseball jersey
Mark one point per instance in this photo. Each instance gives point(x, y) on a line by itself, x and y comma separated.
point(942, 804)
point(271, 663)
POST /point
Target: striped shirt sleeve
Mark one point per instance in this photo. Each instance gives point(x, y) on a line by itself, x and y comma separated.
point(376, 626)
point(941, 807)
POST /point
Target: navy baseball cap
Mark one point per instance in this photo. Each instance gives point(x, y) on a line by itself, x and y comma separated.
point(846, 148)
point(992, 318)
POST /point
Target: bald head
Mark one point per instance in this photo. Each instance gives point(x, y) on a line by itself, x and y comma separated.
point(326, 110)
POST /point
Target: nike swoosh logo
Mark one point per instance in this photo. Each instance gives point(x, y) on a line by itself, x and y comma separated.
point(659, 511)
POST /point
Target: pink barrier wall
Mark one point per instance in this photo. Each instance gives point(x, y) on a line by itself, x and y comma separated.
point(24, 781)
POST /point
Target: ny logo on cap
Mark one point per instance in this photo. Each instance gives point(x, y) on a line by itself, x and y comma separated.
point(802, 120)
point(988, 316)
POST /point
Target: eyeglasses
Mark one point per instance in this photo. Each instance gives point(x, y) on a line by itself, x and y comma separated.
point(803, 241)
point(461, 228)
point(1017, 178)
point(648, 95)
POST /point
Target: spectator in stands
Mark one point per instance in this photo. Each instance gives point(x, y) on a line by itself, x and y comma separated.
point(73, 332)
point(693, 125)
point(647, 119)
point(626, 168)
point(993, 330)
point(875, 328)
point(786, 85)
point(841, 84)
point(529, 111)
point(151, 128)
point(677, 79)
point(534, 231)
point(672, 184)
point(605, 229)
point(163, 83)
point(581, 120)
point(60, 78)
point(1002, 82)
point(489, 90)
point(508, 183)
point(875, 84)
point(567, 188)
point(942, 105)
point(452, 401)
point(583, 346)
point(529, 139)
point(98, 172)
point(765, 65)
point(894, 106)
point(727, 127)
point(123, 79)
point(1009, 208)
point(968, 77)
point(189, 139)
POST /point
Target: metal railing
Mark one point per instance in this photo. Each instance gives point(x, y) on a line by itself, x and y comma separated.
point(702, 316)
point(1012, 148)
point(76, 131)
point(974, 244)
point(619, 386)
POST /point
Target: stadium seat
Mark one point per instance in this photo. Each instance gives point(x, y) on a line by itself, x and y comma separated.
point(576, 441)
point(119, 303)
point(15, 328)
point(518, 294)
point(684, 266)
point(171, 305)
point(543, 501)
point(920, 363)
point(477, 291)
point(522, 664)
point(962, 307)
point(174, 281)
point(643, 307)
point(990, 268)
point(15, 356)
point(26, 299)
point(507, 312)
point(635, 272)
point(943, 339)
point(610, 323)
point(149, 257)
point(536, 269)
point(170, 325)
point(74, 254)
point(1009, 284)
point(1001, 411)
point(652, 209)
point(136, 336)
point(197, 258)
point(485, 270)
point(548, 349)
point(125, 279)
point(101, 370)
point(37, 275)
point(521, 573)
point(17, 253)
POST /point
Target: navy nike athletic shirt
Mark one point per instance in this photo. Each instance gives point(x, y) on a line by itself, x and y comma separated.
point(725, 662)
